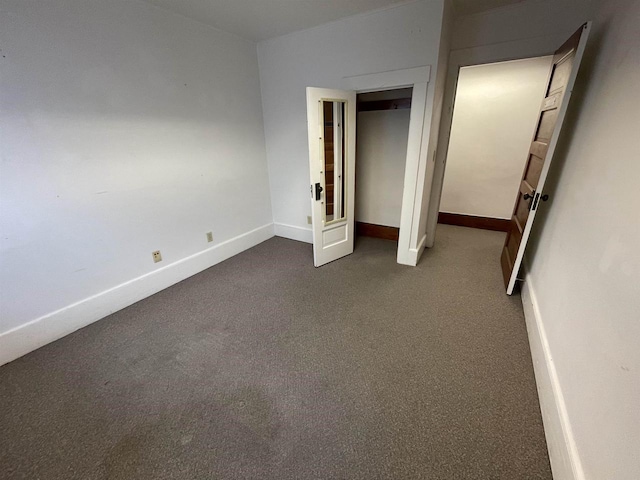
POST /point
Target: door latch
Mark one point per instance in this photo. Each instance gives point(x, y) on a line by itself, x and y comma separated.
point(530, 197)
point(318, 191)
point(534, 198)
point(535, 202)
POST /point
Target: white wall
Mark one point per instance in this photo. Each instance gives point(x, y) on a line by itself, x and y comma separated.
point(584, 265)
point(396, 38)
point(382, 151)
point(125, 129)
point(495, 114)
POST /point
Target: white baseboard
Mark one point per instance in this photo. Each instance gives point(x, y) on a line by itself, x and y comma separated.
point(294, 233)
point(48, 328)
point(411, 256)
point(419, 250)
point(563, 454)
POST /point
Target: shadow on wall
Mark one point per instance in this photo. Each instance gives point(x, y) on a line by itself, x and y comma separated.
point(576, 107)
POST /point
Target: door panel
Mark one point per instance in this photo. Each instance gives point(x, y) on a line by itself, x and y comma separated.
point(521, 214)
point(532, 173)
point(331, 118)
point(513, 242)
point(566, 62)
point(561, 74)
point(548, 121)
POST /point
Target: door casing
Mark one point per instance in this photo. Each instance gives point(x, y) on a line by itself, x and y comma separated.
point(410, 244)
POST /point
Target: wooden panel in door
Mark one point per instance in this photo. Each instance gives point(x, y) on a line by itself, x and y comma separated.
point(566, 61)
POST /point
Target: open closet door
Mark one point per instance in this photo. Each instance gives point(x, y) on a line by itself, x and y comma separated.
point(566, 62)
point(331, 118)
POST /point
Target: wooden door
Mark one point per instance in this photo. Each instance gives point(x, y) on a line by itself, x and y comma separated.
point(331, 118)
point(564, 69)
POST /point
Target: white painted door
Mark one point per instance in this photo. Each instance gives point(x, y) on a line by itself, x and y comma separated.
point(331, 119)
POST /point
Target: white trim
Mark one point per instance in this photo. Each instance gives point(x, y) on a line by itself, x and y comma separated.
point(563, 453)
point(293, 233)
point(416, 165)
point(414, 254)
point(337, 158)
point(390, 79)
point(30, 336)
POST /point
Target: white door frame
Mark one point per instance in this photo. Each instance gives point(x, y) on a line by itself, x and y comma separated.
point(410, 247)
point(467, 57)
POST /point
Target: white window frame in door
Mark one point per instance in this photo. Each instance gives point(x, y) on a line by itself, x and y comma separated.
point(410, 243)
point(337, 156)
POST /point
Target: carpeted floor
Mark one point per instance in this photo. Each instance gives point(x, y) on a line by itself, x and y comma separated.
point(264, 367)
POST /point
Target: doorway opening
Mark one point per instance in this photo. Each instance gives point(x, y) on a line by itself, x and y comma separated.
point(382, 128)
point(561, 75)
point(333, 238)
point(495, 112)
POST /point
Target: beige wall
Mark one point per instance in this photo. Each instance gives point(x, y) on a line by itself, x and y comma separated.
point(495, 113)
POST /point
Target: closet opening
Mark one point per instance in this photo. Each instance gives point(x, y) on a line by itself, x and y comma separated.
point(382, 128)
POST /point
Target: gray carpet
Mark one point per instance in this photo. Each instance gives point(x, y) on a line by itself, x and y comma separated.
point(263, 367)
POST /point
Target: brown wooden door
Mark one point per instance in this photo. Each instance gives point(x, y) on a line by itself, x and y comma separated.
point(564, 69)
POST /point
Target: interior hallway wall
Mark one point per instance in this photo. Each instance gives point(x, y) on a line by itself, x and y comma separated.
point(397, 38)
point(124, 129)
point(495, 114)
point(584, 258)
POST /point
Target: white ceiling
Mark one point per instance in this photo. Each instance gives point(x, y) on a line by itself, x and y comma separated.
point(260, 19)
point(468, 7)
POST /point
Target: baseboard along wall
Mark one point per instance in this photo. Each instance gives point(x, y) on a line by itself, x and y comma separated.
point(292, 232)
point(366, 229)
point(563, 454)
point(377, 231)
point(48, 328)
point(486, 223)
